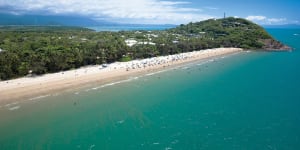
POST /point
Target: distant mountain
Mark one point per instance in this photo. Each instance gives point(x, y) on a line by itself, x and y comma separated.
point(9, 19)
point(51, 20)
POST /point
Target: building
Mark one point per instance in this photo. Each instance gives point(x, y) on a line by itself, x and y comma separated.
point(130, 42)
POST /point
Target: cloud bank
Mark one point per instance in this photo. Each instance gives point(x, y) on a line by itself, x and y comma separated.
point(123, 11)
point(265, 20)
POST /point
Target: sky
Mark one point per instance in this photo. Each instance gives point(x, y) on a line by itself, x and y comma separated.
point(264, 12)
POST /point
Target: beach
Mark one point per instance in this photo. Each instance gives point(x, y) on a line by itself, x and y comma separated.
point(28, 88)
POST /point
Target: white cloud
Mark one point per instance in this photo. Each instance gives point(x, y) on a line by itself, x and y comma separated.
point(129, 11)
point(256, 18)
point(266, 20)
point(211, 8)
point(173, 3)
point(295, 22)
point(276, 20)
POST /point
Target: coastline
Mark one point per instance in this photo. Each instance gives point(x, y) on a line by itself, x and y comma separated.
point(25, 88)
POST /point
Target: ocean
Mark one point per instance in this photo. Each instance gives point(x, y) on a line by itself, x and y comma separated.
point(248, 100)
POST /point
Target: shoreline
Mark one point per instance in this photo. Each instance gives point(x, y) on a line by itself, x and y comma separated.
point(26, 88)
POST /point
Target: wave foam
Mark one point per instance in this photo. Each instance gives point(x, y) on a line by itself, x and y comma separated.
point(39, 97)
point(14, 108)
point(92, 146)
point(150, 74)
point(120, 121)
point(202, 63)
point(10, 104)
point(111, 84)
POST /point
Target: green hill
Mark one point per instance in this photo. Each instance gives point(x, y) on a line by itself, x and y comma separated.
point(230, 32)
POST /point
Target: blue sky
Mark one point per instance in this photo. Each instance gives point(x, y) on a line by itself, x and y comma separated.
point(160, 11)
point(260, 11)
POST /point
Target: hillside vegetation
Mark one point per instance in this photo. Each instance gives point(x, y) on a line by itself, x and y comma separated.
point(231, 32)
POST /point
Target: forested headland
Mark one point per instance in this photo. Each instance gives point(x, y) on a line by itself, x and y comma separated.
point(35, 50)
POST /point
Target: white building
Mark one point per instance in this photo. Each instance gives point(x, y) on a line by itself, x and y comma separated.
point(130, 42)
point(152, 35)
point(145, 43)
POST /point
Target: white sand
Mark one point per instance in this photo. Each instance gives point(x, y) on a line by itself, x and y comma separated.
point(28, 87)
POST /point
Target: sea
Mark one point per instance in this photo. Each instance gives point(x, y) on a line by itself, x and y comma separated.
point(244, 101)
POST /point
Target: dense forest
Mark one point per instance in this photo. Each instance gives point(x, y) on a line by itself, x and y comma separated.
point(35, 50)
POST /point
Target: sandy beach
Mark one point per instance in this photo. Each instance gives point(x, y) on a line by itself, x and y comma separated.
point(28, 87)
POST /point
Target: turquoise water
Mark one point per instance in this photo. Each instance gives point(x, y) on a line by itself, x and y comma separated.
point(243, 101)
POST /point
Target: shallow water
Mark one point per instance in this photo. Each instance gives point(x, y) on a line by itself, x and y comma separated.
point(248, 100)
